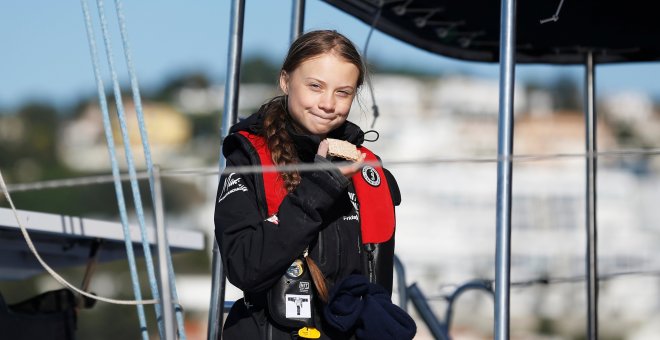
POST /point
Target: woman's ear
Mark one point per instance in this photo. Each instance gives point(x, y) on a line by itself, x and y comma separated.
point(284, 82)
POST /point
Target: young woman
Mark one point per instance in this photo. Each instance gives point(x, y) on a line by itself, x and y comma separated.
point(274, 229)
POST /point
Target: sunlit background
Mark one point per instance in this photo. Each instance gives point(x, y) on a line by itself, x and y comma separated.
point(438, 136)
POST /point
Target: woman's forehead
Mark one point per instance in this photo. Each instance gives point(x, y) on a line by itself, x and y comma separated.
point(329, 67)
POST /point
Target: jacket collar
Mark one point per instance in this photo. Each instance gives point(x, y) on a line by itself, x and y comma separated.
point(306, 145)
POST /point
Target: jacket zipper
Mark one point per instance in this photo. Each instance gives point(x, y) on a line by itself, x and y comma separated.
point(320, 248)
point(370, 248)
point(339, 248)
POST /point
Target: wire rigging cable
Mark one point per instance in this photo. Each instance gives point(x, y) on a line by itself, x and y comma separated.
point(374, 106)
point(92, 180)
point(546, 281)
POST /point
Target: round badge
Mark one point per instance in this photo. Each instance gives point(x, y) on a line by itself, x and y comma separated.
point(295, 269)
point(371, 176)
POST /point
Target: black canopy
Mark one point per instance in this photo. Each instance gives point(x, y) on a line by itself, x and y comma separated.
point(615, 31)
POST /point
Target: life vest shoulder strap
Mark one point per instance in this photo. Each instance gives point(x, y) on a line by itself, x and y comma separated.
point(273, 182)
point(377, 219)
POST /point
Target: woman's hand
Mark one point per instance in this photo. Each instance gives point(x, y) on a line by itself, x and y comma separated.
point(353, 168)
point(346, 170)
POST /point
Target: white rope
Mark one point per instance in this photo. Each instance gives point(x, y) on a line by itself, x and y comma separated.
point(50, 270)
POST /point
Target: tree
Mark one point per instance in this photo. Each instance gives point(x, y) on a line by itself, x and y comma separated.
point(259, 70)
point(40, 121)
point(169, 89)
point(566, 93)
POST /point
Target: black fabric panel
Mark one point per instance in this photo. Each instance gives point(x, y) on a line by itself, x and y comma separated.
point(614, 31)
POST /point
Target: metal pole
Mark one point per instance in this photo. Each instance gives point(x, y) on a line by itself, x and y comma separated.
point(229, 118)
point(504, 169)
point(471, 285)
point(216, 310)
point(163, 267)
point(401, 283)
point(439, 330)
point(297, 19)
point(230, 111)
point(592, 255)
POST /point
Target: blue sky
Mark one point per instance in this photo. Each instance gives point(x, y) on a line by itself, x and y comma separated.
point(44, 52)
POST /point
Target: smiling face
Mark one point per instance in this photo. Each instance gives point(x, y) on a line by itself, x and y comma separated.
point(320, 92)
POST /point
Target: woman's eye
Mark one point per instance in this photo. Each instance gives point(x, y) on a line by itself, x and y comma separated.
point(344, 93)
point(315, 86)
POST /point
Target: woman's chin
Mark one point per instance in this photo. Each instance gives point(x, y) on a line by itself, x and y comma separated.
point(322, 131)
point(323, 128)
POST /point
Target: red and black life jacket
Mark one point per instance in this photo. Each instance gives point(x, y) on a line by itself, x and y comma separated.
point(377, 220)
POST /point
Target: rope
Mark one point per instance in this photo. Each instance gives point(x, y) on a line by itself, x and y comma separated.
point(50, 270)
point(137, 100)
point(213, 171)
point(137, 199)
point(115, 169)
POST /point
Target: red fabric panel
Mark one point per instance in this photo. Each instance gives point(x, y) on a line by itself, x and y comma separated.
point(273, 183)
point(376, 207)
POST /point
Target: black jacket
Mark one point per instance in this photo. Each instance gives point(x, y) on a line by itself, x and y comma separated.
point(320, 213)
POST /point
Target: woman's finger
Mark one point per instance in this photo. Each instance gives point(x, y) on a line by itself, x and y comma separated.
point(324, 146)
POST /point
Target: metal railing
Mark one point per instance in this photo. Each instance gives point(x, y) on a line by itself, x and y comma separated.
point(440, 328)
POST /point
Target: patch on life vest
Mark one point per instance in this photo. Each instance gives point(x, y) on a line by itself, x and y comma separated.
point(298, 306)
point(303, 286)
point(296, 269)
point(232, 184)
point(371, 176)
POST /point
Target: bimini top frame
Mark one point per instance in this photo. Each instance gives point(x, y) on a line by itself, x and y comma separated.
point(548, 31)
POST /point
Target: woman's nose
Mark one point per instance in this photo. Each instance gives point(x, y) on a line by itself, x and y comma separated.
point(327, 102)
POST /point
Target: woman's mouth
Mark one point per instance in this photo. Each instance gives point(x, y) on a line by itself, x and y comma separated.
point(328, 117)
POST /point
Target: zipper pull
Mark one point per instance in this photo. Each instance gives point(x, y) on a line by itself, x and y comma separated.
point(370, 248)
